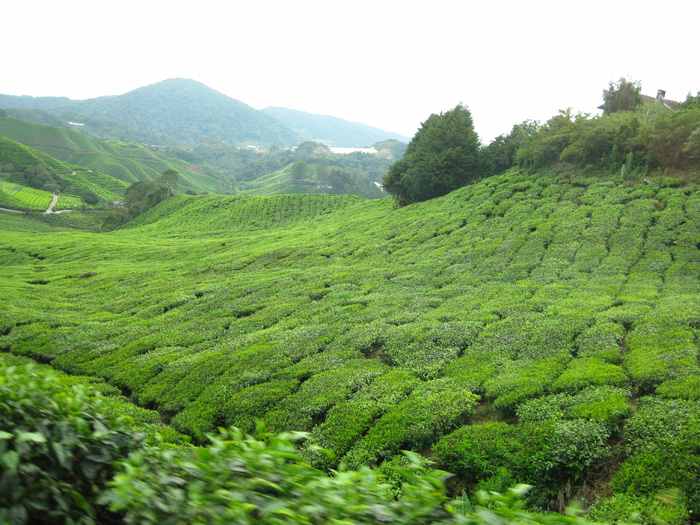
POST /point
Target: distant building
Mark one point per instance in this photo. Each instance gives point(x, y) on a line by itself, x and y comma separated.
point(661, 99)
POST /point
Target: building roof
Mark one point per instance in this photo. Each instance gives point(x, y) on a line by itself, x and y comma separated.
point(670, 104)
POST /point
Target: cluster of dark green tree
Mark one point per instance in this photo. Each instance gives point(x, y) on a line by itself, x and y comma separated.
point(634, 134)
point(141, 196)
point(69, 456)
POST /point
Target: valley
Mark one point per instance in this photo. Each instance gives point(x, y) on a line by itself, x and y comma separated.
point(549, 302)
point(211, 313)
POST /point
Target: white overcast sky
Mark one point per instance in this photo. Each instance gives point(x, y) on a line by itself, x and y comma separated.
point(385, 63)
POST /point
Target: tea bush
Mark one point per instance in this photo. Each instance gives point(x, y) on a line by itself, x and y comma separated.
point(57, 446)
point(374, 328)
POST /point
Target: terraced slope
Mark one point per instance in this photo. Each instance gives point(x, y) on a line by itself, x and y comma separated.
point(27, 166)
point(126, 162)
point(525, 328)
point(315, 177)
point(16, 196)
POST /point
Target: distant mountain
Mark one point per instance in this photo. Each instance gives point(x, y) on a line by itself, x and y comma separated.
point(330, 130)
point(171, 112)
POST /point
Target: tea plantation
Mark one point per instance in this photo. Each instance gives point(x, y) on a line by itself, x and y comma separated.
point(532, 328)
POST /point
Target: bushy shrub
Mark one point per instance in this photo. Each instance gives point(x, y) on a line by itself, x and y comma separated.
point(553, 453)
point(687, 387)
point(57, 447)
point(589, 371)
point(238, 479)
point(523, 379)
point(601, 340)
point(604, 404)
point(653, 471)
point(668, 508)
point(648, 137)
point(432, 409)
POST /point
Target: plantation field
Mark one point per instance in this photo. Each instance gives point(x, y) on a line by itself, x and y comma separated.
point(123, 161)
point(17, 196)
point(526, 328)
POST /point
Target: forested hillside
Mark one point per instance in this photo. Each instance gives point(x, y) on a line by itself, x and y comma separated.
point(171, 112)
point(536, 328)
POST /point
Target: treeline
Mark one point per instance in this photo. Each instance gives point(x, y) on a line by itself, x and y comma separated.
point(71, 455)
point(632, 136)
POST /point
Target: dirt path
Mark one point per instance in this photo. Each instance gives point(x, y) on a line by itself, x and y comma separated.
point(54, 201)
point(8, 210)
point(50, 209)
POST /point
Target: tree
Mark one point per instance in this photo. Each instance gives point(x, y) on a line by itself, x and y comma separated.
point(444, 155)
point(500, 155)
point(692, 101)
point(622, 95)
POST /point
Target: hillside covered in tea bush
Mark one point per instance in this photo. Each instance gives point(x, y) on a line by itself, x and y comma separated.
point(539, 328)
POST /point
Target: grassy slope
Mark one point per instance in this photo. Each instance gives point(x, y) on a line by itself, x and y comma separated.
point(124, 161)
point(17, 158)
point(313, 178)
point(368, 324)
point(17, 196)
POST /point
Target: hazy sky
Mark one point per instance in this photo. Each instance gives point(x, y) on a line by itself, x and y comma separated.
point(385, 63)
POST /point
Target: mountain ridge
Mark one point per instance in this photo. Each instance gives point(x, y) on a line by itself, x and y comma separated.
point(331, 130)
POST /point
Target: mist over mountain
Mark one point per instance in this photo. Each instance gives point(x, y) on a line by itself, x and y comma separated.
point(183, 112)
point(331, 130)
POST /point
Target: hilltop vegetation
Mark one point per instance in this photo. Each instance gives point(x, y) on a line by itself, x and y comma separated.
point(529, 327)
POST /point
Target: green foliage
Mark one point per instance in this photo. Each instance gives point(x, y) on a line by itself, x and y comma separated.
point(16, 196)
point(501, 154)
point(622, 95)
point(340, 315)
point(604, 404)
point(548, 452)
point(433, 408)
point(238, 479)
point(629, 141)
point(648, 510)
point(57, 445)
point(443, 155)
point(588, 371)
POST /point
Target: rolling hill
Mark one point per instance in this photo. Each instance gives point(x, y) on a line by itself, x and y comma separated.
point(330, 130)
point(527, 328)
point(171, 112)
point(315, 177)
point(128, 162)
point(31, 176)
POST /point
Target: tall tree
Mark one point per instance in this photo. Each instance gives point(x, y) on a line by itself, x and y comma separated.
point(442, 156)
point(622, 95)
